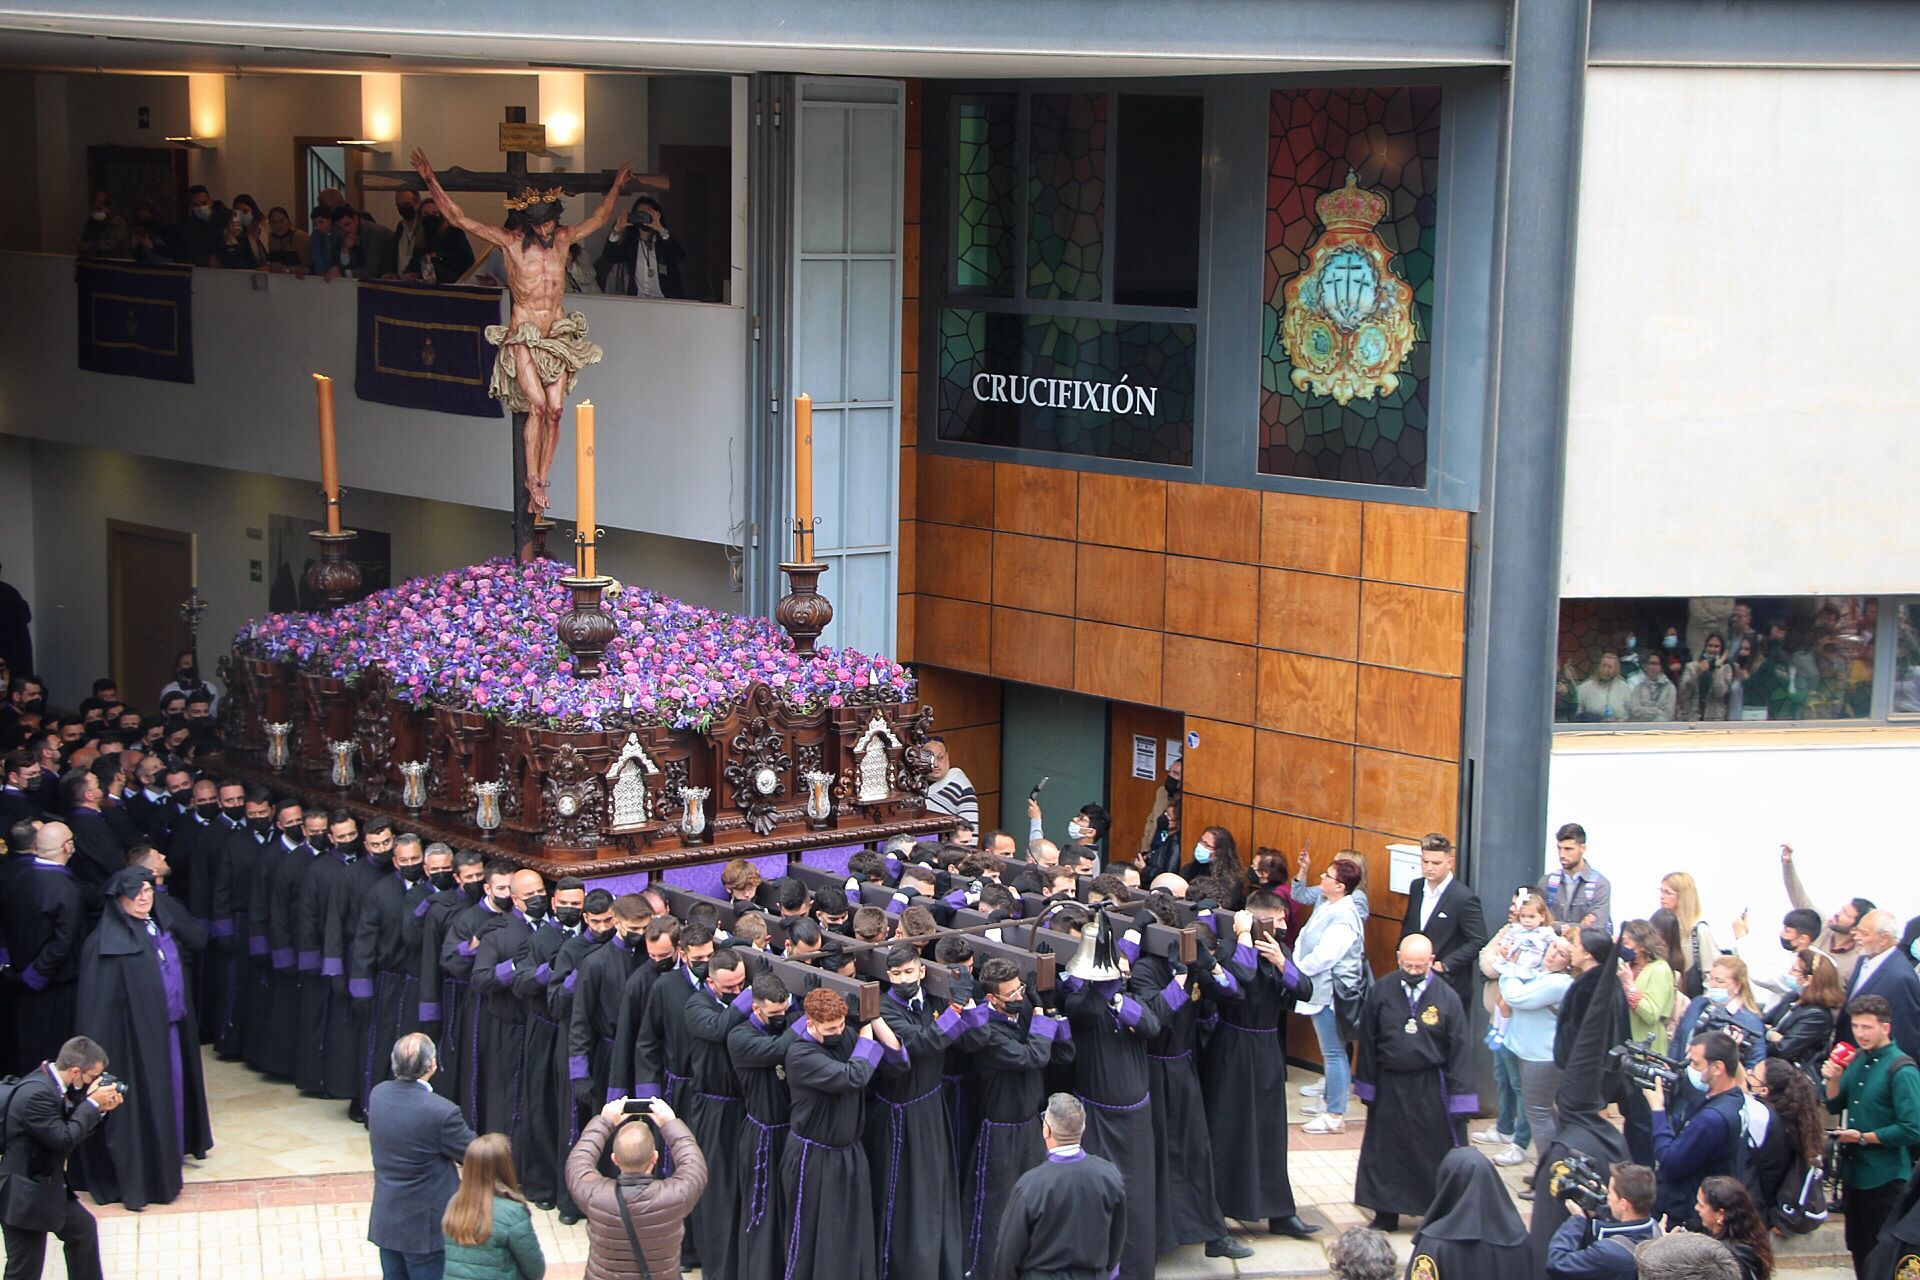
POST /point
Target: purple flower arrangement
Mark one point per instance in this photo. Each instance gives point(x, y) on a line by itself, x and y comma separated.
point(483, 639)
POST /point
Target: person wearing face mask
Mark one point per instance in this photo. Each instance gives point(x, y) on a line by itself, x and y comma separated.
point(52, 1114)
point(1710, 1142)
point(383, 978)
point(1728, 992)
point(757, 1046)
point(592, 931)
point(1800, 1024)
point(826, 1188)
point(260, 1031)
point(603, 994)
point(500, 1031)
point(324, 887)
point(458, 951)
point(200, 234)
point(1215, 854)
point(715, 1107)
point(1768, 964)
point(1414, 1071)
point(1653, 697)
point(655, 1023)
point(542, 1122)
point(442, 253)
point(105, 234)
point(133, 994)
point(439, 1007)
point(278, 885)
point(44, 923)
point(229, 869)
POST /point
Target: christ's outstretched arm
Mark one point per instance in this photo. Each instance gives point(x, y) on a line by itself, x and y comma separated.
point(605, 210)
point(453, 212)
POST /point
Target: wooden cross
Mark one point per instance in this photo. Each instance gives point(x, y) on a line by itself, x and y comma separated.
point(518, 140)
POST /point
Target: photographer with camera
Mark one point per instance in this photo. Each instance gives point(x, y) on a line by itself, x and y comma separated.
point(1726, 1007)
point(1712, 1141)
point(1878, 1088)
point(1590, 1247)
point(48, 1114)
point(641, 258)
point(635, 1221)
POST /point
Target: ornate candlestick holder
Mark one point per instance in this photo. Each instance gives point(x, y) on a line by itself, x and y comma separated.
point(538, 545)
point(803, 613)
point(333, 577)
point(585, 629)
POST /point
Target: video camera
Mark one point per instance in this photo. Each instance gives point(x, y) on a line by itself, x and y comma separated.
point(1577, 1178)
point(1642, 1065)
point(1719, 1018)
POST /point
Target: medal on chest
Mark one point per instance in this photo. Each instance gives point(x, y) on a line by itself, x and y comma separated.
point(1412, 1027)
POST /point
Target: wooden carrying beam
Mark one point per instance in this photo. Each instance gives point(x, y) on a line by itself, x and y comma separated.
point(862, 997)
point(1179, 944)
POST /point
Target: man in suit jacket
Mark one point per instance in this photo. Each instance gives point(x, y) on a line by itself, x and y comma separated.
point(1884, 971)
point(50, 1113)
point(417, 1136)
point(1449, 914)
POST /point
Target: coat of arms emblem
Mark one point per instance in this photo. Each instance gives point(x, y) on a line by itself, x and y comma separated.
point(1349, 316)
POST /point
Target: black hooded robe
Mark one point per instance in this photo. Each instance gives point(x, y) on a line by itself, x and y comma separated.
point(383, 972)
point(714, 1109)
point(1186, 1208)
point(1418, 1088)
point(233, 870)
point(560, 983)
point(598, 997)
point(45, 926)
point(1897, 1254)
point(1007, 1091)
point(440, 995)
point(1471, 1230)
point(910, 1144)
point(1593, 1019)
point(826, 1191)
point(501, 1031)
point(759, 1054)
point(267, 987)
point(457, 952)
point(133, 1001)
point(1243, 1073)
point(1111, 1030)
point(537, 1132)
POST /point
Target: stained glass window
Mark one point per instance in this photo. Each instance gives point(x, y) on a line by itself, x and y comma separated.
point(1339, 397)
point(984, 195)
point(1068, 384)
point(1067, 196)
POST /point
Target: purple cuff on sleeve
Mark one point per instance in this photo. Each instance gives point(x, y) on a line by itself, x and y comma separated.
point(898, 903)
point(1044, 1027)
point(1463, 1104)
point(976, 1016)
point(1226, 981)
point(1114, 1274)
point(221, 928)
point(421, 909)
point(1068, 982)
point(6, 957)
point(956, 899)
point(567, 983)
point(744, 1001)
point(541, 974)
point(429, 1011)
point(868, 1051)
point(33, 979)
point(256, 946)
point(577, 1068)
point(898, 1057)
point(332, 968)
point(1245, 956)
point(1175, 994)
point(470, 946)
point(1130, 946)
point(503, 972)
point(308, 962)
point(893, 866)
point(1291, 974)
point(1130, 1011)
point(360, 988)
point(647, 1091)
point(283, 957)
point(1364, 1092)
point(950, 1022)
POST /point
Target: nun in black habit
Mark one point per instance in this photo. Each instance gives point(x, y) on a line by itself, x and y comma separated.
point(1471, 1231)
point(133, 1001)
point(1581, 1102)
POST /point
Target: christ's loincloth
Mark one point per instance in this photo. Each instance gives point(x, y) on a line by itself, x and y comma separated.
point(564, 350)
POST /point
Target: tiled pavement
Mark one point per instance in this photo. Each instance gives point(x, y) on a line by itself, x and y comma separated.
point(286, 1193)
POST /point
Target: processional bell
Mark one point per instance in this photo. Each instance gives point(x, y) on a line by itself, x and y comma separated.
point(1097, 960)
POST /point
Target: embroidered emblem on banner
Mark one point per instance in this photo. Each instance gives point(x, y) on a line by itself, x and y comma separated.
point(1430, 1015)
point(1349, 316)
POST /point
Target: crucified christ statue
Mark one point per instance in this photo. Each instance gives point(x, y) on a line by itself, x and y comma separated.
point(541, 350)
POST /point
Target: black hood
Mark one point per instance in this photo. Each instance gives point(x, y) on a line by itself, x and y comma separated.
point(1471, 1204)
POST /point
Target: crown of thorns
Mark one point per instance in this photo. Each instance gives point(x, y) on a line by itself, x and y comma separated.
point(532, 196)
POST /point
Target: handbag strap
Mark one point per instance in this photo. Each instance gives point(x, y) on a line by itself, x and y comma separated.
point(633, 1237)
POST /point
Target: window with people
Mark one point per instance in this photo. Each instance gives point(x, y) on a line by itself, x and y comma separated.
point(1667, 660)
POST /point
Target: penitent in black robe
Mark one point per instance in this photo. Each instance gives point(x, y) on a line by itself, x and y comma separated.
point(1006, 1092)
point(45, 925)
point(599, 1005)
point(502, 1023)
point(541, 1125)
point(1186, 1210)
point(567, 962)
point(826, 1192)
point(759, 1054)
point(1897, 1255)
point(1471, 1230)
point(268, 1016)
point(1243, 1071)
point(458, 950)
point(383, 971)
point(1068, 1217)
point(1110, 1038)
point(438, 998)
point(711, 1104)
point(1413, 1072)
point(910, 1146)
point(233, 870)
point(133, 1001)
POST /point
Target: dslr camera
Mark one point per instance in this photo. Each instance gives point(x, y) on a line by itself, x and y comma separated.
point(1719, 1018)
point(1577, 1178)
point(1643, 1066)
point(112, 1082)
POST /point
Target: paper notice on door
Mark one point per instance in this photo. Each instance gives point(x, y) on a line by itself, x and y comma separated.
point(1174, 750)
point(1145, 758)
point(1403, 867)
